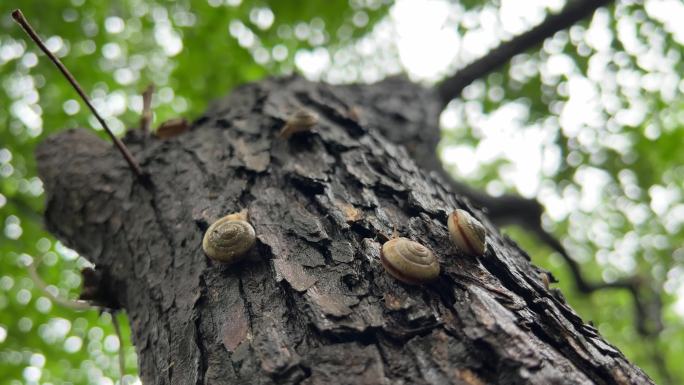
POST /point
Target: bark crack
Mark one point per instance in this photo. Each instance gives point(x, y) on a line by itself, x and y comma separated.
point(199, 338)
point(590, 369)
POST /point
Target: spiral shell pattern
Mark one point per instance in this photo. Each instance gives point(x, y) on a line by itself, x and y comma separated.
point(228, 240)
point(466, 232)
point(409, 261)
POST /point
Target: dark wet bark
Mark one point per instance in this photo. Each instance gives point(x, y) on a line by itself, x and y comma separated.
point(311, 304)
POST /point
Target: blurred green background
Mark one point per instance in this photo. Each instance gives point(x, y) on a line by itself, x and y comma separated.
point(590, 124)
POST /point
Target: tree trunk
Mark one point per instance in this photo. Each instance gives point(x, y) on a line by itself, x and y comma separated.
point(311, 304)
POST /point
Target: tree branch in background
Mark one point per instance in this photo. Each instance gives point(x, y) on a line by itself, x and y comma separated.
point(647, 314)
point(574, 11)
point(21, 20)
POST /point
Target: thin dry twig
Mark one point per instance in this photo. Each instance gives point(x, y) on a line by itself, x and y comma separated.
point(78, 306)
point(146, 118)
point(68, 303)
point(21, 20)
point(122, 358)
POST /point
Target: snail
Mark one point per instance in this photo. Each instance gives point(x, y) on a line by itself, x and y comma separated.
point(409, 261)
point(301, 120)
point(354, 113)
point(228, 239)
point(546, 280)
point(467, 233)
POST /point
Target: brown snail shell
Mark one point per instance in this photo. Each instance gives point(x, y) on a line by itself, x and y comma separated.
point(545, 279)
point(228, 239)
point(301, 120)
point(409, 261)
point(466, 232)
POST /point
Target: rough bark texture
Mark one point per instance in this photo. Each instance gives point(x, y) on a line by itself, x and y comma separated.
point(311, 304)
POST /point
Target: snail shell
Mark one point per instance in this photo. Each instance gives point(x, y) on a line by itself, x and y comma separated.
point(545, 279)
point(301, 120)
point(409, 261)
point(228, 239)
point(467, 233)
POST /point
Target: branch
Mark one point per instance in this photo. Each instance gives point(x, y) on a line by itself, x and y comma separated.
point(574, 11)
point(78, 306)
point(146, 117)
point(122, 356)
point(65, 302)
point(643, 311)
point(21, 20)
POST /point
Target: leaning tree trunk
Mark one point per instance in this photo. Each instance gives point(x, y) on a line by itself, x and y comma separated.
point(312, 303)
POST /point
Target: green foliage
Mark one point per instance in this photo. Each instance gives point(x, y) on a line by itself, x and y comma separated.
point(193, 51)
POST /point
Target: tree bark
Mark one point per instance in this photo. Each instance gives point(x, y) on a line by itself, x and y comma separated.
point(311, 304)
